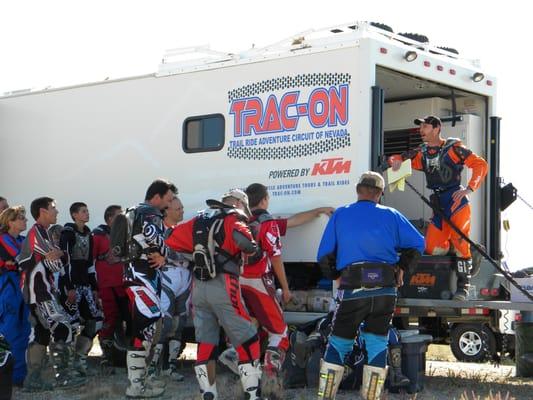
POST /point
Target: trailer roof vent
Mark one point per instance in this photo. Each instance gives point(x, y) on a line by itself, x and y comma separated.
point(449, 50)
point(415, 36)
point(298, 41)
point(336, 30)
point(379, 25)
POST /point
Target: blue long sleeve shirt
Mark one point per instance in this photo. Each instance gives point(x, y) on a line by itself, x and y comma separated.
point(368, 232)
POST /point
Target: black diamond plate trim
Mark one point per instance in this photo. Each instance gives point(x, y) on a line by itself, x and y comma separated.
point(289, 82)
point(288, 152)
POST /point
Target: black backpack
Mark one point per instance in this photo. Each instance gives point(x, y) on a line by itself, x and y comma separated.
point(206, 229)
point(209, 257)
point(122, 244)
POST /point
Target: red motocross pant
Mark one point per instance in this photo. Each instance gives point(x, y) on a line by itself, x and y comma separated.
point(259, 295)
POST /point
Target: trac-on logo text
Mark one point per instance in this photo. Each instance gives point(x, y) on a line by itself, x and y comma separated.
point(323, 107)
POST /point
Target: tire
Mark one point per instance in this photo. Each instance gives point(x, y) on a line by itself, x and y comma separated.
point(472, 342)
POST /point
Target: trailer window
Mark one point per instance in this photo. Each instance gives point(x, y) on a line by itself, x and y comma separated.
point(203, 133)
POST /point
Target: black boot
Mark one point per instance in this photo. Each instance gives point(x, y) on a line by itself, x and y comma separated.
point(396, 377)
point(463, 268)
point(65, 374)
point(36, 358)
point(107, 364)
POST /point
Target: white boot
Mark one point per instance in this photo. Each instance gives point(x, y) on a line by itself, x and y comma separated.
point(173, 351)
point(251, 380)
point(207, 390)
point(330, 380)
point(373, 382)
point(136, 362)
point(152, 376)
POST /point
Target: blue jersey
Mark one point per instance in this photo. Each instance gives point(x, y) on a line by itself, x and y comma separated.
point(368, 232)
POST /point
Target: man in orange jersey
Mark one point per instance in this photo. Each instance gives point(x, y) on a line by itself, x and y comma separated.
point(442, 161)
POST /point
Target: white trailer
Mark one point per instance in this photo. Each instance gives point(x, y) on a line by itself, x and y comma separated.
point(305, 116)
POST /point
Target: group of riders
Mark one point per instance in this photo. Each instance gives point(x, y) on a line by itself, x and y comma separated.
point(147, 268)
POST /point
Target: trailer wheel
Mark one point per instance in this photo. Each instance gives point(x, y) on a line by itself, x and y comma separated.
point(472, 342)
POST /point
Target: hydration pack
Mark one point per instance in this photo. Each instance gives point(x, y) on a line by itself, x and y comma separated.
point(208, 236)
point(122, 243)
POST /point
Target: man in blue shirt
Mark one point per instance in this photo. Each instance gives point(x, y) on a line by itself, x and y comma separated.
point(361, 245)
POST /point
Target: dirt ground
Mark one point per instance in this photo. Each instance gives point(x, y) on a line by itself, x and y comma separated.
point(445, 380)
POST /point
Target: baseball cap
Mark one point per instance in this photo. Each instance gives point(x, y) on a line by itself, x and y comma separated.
point(372, 179)
point(239, 195)
point(430, 119)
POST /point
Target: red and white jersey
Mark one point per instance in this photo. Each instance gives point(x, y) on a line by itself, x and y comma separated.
point(268, 237)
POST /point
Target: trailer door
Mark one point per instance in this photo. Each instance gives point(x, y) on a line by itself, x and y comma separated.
point(493, 180)
point(377, 158)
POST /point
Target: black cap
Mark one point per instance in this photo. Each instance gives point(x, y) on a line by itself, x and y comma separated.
point(430, 119)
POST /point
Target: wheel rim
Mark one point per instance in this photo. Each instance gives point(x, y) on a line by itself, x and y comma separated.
point(470, 343)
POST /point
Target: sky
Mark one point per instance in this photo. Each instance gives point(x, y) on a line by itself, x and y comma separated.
point(56, 43)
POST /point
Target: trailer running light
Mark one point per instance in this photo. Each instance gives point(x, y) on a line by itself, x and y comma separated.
point(401, 310)
point(489, 83)
point(475, 311)
point(478, 77)
point(440, 68)
point(490, 292)
point(427, 64)
point(518, 317)
point(452, 71)
point(410, 56)
point(383, 50)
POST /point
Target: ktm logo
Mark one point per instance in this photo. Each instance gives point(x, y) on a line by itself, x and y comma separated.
point(330, 166)
point(420, 279)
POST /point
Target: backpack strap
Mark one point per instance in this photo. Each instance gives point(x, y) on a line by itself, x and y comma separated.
point(261, 216)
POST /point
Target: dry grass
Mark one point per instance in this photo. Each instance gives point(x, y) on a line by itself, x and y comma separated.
point(445, 379)
point(440, 352)
point(491, 396)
